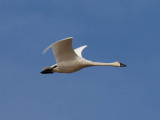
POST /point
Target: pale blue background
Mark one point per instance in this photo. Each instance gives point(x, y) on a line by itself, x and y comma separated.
point(114, 30)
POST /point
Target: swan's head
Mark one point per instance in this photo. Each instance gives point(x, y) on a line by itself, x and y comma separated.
point(118, 64)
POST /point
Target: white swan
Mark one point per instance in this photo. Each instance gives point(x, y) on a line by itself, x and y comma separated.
point(69, 60)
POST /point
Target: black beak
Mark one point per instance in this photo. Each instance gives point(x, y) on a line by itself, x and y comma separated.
point(122, 65)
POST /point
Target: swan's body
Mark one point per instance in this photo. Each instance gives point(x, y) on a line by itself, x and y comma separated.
point(69, 60)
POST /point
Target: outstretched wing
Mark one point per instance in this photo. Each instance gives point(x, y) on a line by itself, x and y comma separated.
point(63, 50)
point(79, 50)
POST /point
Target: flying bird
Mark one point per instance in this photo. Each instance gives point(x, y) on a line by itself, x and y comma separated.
point(69, 60)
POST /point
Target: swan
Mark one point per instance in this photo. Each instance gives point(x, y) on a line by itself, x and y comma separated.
point(69, 60)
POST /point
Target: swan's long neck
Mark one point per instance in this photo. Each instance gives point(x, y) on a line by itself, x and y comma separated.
point(90, 63)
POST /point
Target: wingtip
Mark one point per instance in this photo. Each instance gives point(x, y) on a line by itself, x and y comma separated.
point(45, 50)
point(55, 43)
point(68, 38)
point(86, 46)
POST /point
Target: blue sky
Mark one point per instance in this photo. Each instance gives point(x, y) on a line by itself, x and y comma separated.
point(125, 30)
